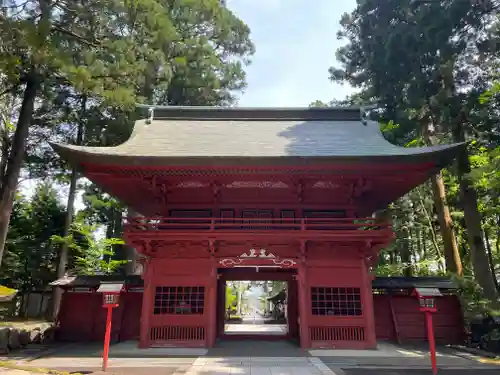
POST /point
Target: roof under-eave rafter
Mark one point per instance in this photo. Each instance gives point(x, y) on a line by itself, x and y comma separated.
point(198, 136)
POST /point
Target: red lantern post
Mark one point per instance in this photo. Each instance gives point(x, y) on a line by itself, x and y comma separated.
point(426, 298)
point(110, 300)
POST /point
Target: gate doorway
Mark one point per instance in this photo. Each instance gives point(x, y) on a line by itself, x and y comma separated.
point(256, 304)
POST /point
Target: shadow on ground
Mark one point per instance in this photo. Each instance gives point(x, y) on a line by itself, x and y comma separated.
point(252, 348)
point(420, 372)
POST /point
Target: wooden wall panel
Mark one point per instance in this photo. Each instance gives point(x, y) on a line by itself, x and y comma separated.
point(384, 326)
point(77, 315)
point(131, 318)
point(448, 321)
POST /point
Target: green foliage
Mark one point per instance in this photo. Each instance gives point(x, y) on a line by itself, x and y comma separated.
point(231, 298)
point(473, 300)
point(30, 256)
point(92, 255)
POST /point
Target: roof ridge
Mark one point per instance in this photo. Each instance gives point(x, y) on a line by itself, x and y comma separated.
point(253, 114)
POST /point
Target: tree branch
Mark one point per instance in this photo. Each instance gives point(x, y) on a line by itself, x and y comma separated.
point(95, 43)
point(10, 89)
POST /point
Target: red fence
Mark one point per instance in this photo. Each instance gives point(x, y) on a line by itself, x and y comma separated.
point(397, 318)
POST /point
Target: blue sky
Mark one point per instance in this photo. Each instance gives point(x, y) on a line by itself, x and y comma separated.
point(295, 44)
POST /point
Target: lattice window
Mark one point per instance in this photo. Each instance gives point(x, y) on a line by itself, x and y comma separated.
point(181, 300)
point(111, 299)
point(336, 301)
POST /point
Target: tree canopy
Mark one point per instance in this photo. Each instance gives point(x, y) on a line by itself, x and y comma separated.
point(431, 69)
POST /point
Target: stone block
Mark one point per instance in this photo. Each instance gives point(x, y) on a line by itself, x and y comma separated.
point(14, 342)
point(24, 337)
point(48, 335)
point(36, 336)
point(4, 340)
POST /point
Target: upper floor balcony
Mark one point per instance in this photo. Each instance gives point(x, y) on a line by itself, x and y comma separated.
point(230, 228)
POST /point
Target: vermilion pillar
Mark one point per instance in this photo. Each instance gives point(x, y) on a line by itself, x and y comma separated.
point(212, 308)
point(147, 305)
point(367, 305)
point(304, 304)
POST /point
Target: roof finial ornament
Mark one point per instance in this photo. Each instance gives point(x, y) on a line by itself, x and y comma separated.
point(363, 115)
point(363, 112)
point(151, 115)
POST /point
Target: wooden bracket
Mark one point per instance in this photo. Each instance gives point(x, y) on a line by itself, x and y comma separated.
point(157, 188)
point(215, 191)
point(299, 190)
point(212, 247)
point(361, 186)
point(303, 247)
point(352, 188)
point(147, 247)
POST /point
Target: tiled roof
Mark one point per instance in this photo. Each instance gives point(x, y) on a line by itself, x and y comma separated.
point(395, 282)
point(403, 282)
point(188, 136)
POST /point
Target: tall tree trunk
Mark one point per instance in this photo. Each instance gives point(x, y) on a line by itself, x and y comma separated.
point(13, 170)
point(405, 251)
point(451, 253)
point(4, 150)
point(239, 297)
point(420, 248)
point(490, 258)
point(425, 253)
point(497, 242)
point(267, 304)
point(62, 264)
point(430, 224)
point(479, 257)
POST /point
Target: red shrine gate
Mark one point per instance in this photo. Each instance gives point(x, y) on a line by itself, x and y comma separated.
point(285, 192)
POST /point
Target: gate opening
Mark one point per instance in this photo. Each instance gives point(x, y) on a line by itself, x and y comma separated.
point(256, 308)
point(257, 305)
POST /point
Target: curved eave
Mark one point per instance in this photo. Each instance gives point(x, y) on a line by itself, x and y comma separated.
point(439, 156)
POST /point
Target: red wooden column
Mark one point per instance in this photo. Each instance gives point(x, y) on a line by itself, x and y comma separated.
point(367, 305)
point(147, 303)
point(212, 307)
point(304, 304)
point(221, 306)
point(293, 307)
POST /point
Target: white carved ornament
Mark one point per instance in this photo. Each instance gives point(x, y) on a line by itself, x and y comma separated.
point(254, 254)
point(325, 185)
point(261, 254)
point(257, 184)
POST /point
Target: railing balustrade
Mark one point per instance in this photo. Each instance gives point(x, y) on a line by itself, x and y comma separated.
point(258, 224)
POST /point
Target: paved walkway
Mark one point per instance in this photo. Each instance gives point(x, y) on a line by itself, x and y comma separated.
point(262, 358)
point(201, 365)
point(256, 329)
